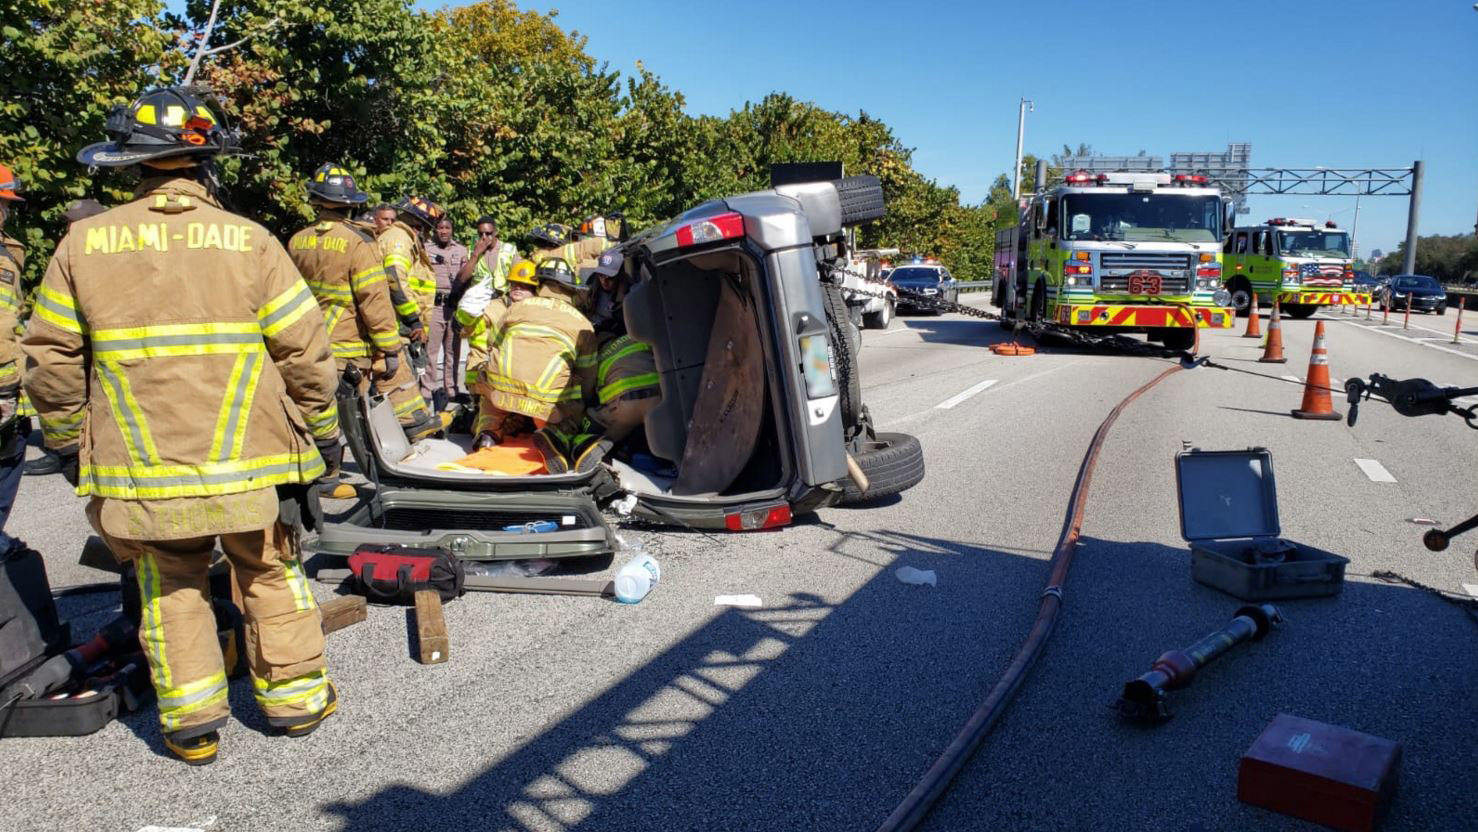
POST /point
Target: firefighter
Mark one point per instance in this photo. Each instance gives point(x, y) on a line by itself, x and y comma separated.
point(15, 428)
point(541, 365)
point(403, 245)
point(492, 425)
point(340, 260)
point(184, 339)
point(627, 386)
point(556, 240)
point(408, 275)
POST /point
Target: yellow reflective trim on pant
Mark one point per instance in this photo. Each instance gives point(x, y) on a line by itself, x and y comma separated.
point(151, 621)
point(411, 405)
point(59, 310)
point(225, 442)
point(177, 703)
point(64, 429)
point(367, 278)
point(127, 413)
point(386, 341)
point(297, 581)
point(211, 479)
point(615, 389)
point(172, 340)
point(309, 691)
point(325, 423)
point(284, 310)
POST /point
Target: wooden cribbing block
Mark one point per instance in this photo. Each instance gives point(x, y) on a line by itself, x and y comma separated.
point(342, 612)
point(431, 637)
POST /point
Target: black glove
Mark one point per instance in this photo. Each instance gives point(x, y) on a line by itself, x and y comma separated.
point(298, 506)
point(392, 365)
point(71, 468)
point(332, 452)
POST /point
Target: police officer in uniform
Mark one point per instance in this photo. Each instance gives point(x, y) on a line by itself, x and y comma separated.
point(340, 260)
point(181, 367)
point(14, 427)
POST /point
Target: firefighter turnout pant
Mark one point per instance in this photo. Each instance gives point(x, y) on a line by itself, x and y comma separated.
point(284, 635)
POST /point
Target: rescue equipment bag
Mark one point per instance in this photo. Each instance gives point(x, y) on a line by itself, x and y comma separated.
point(29, 627)
point(393, 574)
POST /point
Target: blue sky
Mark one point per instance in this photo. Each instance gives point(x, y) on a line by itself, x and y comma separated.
point(1340, 84)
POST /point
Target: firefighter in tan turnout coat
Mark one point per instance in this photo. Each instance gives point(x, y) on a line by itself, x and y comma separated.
point(181, 367)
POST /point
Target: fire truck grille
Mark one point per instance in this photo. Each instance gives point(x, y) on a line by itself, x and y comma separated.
point(1172, 271)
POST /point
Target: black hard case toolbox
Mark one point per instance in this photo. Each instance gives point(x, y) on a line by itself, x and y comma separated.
point(1228, 509)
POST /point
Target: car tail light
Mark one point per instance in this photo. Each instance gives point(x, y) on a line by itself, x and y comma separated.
point(758, 519)
point(711, 230)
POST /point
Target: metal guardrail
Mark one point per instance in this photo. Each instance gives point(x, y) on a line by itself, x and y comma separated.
point(973, 285)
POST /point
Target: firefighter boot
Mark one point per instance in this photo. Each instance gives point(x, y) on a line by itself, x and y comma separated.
point(588, 451)
point(195, 751)
point(549, 446)
point(311, 724)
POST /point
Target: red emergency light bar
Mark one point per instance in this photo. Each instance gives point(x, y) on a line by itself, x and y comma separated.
point(1330, 224)
point(711, 230)
point(1189, 179)
point(1083, 177)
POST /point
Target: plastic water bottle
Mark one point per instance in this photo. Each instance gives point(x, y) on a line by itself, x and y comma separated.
point(637, 577)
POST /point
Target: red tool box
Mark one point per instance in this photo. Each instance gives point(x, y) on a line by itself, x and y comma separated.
point(1323, 773)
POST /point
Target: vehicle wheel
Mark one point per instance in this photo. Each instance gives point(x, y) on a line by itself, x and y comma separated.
point(844, 347)
point(1241, 296)
point(1179, 338)
point(893, 463)
point(881, 318)
point(1039, 304)
point(1300, 310)
point(861, 198)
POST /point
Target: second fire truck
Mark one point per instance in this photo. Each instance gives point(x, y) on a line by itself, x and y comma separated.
point(1129, 251)
point(1303, 265)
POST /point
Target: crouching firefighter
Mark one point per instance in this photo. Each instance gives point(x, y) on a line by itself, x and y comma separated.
point(541, 366)
point(183, 338)
point(340, 260)
point(521, 285)
point(627, 386)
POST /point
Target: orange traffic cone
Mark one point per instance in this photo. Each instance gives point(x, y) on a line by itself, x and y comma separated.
point(1272, 353)
point(1254, 324)
point(1317, 404)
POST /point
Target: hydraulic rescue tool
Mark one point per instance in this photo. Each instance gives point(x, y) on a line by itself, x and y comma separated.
point(1143, 699)
point(1419, 397)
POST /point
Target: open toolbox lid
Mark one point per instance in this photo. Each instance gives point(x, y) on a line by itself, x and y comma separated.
point(1226, 494)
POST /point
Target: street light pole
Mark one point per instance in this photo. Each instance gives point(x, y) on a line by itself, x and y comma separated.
point(1355, 231)
point(1026, 105)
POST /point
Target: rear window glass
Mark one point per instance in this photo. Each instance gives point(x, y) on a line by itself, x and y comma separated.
point(917, 274)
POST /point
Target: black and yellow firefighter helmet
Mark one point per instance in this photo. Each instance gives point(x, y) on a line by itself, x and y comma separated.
point(557, 270)
point(421, 210)
point(549, 235)
point(167, 123)
point(332, 183)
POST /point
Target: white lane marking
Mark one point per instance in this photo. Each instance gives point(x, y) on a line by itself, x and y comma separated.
point(893, 331)
point(962, 396)
point(1293, 379)
point(1374, 470)
point(1468, 356)
point(1471, 589)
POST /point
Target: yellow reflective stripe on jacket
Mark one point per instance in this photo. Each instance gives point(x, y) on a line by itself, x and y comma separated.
point(335, 314)
point(284, 310)
point(59, 310)
point(62, 430)
point(421, 284)
point(126, 411)
point(526, 330)
point(241, 388)
point(407, 309)
point(8, 298)
point(610, 392)
point(10, 372)
point(323, 425)
point(122, 344)
point(386, 341)
point(331, 292)
point(309, 691)
point(367, 278)
point(211, 479)
point(548, 395)
point(353, 349)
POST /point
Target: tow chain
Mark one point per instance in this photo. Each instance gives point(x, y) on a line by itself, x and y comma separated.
point(1039, 330)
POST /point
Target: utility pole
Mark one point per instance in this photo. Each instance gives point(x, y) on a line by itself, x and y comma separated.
point(1355, 231)
point(1408, 263)
point(1026, 106)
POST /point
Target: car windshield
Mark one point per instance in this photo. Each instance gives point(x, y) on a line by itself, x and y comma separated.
point(1314, 243)
point(1141, 218)
point(915, 275)
point(1417, 282)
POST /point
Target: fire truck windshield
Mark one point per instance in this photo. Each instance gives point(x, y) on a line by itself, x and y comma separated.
point(1141, 218)
point(1314, 243)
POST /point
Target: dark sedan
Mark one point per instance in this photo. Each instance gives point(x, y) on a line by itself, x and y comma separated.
point(917, 285)
point(1424, 293)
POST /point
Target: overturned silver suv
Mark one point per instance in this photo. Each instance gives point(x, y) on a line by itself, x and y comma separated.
point(740, 300)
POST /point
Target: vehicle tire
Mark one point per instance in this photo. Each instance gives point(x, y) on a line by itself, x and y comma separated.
point(1241, 296)
point(881, 318)
point(1178, 338)
point(1039, 303)
point(893, 463)
point(845, 344)
point(1300, 311)
point(862, 199)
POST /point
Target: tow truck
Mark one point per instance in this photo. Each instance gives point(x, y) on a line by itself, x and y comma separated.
point(1127, 251)
point(1303, 265)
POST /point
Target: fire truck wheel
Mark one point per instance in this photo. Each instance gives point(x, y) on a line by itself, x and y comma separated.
point(1039, 303)
point(1241, 296)
point(1178, 338)
point(893, 463)
point(1299, 310)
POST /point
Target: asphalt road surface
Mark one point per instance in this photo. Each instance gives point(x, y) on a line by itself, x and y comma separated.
point(822, 708)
